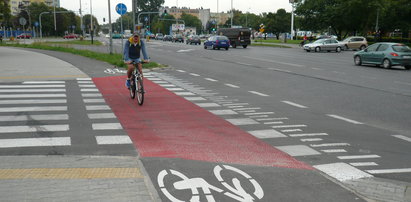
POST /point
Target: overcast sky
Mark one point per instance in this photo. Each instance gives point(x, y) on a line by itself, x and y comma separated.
point(100, 7)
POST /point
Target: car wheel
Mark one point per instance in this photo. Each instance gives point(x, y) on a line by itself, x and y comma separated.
point(205, 47)
point(357, 60)
point(362, 47)
point(338, 49)
point(317, 49)
point(346, 47)
point(308, 50)
point(218, 48)
point(386, 63)
point(226, 48)
point(213, 47)
point(407, 67)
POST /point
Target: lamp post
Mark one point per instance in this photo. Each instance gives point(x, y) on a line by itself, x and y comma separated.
point(232, 13)
point(91, 21)
point(292, 18)
point(55, 23)
point(111, 28)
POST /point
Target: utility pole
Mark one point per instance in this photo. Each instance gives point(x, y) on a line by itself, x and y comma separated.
point(292, 19)
point(110, 28)
point(55, 23)
point(81, 20)
point(133, 5)
point(91, 21)
point(232, 13)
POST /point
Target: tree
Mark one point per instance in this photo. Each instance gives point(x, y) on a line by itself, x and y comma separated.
point(5, 15)
point(162, 24)
point(192, 21)
point(149, 5)
point(87, 24)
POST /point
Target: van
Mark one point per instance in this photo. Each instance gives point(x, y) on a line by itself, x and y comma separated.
point(237, 36)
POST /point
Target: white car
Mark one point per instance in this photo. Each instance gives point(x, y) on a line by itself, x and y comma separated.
point(324, 45)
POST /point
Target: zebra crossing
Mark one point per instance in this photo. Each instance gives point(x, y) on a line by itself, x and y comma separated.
point(69, 117)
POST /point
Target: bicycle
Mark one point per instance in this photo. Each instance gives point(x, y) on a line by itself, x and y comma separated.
point(136, 85)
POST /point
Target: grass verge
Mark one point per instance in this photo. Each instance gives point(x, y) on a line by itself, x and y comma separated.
point(270, 45)
point(114, 59)
point(76, 42)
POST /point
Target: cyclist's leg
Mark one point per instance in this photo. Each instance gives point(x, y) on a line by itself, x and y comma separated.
point(140, 68)
point(130, 69)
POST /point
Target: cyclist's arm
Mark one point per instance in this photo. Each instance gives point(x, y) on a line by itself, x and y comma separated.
point(143, 49)
point(125, 52)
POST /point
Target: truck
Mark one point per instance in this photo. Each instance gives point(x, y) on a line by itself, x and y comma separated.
point(237, 36)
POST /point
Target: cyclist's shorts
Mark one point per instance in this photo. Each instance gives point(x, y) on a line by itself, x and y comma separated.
point(138, 60)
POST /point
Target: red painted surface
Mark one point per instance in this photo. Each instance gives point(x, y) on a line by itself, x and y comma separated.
point(169, 126)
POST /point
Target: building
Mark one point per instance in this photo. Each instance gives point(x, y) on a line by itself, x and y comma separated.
point(200, 13)
point(14, 4)
point(220, 18)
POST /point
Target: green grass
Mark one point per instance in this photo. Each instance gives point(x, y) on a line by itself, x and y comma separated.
point(75, 42)
point(277, 41)
point(114, 59)
point(270, 45)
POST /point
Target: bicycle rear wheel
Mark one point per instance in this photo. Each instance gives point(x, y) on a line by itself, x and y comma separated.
point(140, 91)
point(132, 88)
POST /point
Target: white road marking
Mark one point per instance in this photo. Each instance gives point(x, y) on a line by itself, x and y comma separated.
point(259, 116)
point(167, 85)
point(290, 130)
point(249, 111)
point(308, 134)
point(184, 93)
point(387, 171)
point(160, 82)
point(316, 68)
point(334, 150)
point(33, 109)
point(210, 79)
point(193, 74)
point(270, 133)
point(194, 98)
point(43, 82)
point(400, 82)
point(358, 164)
point(403, 137)
point(34, 128)
point(175, 89)
point(32, 86)
point(97, 107)
point(280, 70)
point(258, 113)
point(258, 93)
point(62, 101)
point(311, 139)
point(89, 90)
point(83, 79)
point(342, 171)
point(91, 95)
point(85, 82)
point(155, 79)
point(106, 126)
point(233, 107)
point(274, 122)
point(344, 119)
point(289, 126)
point(87, 86)
point(208, 105)
point(298, 150)
point(35, 142)
point(330, 145)
point(231, 85)
point(242, 121)
point(31, 95)
point(119, 139)
point(251, 108)
point(245, 64)
point(94, 100)
point(358, 157)
point(223, 112)
point(294, 104)
point(101, 116)
point(31, 90)
point(179, 70)
point(35, 117)
point(235, 104)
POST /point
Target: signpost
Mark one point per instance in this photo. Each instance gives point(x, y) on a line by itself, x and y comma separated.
point(23, 22)
point(121, 9)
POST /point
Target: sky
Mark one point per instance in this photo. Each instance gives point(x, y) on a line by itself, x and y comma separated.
point(100, 7)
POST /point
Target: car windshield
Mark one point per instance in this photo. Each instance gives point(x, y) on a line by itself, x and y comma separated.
point(222, 38)
point(401, 48)
point(347, 39)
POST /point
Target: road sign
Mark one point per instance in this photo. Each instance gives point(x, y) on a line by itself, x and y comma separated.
point(146, 19)
point(36, 24)
point(23, 21)
point(121, 9)
point(176, 27)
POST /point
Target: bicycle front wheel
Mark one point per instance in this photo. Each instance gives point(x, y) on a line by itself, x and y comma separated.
point(140, 91)
point(132, 89)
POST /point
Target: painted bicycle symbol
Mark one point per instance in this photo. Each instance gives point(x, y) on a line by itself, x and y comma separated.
point(114, 71)
point(235, 190)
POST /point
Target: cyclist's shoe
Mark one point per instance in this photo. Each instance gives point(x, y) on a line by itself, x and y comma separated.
point(128, 83)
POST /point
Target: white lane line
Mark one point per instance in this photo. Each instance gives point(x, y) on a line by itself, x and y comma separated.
point(94, 100)
point(311, 139)
point(31, 90)
point(167, 85)
point(97, 107)
point(160, 82)
point(61, 101)
point(89, 90)
point(179, 70)
point(334, 150)
point(106, 126)
point(294, 104)
point(272, 119)
point(87, 86)
point(210, 79)
point(101, 116)
point(232, 85)
point(235, 104)
point(208, 105)
point(194, 98)
point(258, 93)
point(358, 157)
point(274, 122)
point(32, 86)
point(33, 109)
point(184, 93)
point(251, 108)
point(270, 133)
point(223, 112)
point(193, 74)
point(316, 68)
point(258, 113)
point(31, 95)
point(358, 164)
point(387, 171)
point(298, 150)
point(290, 130)
point(175, 89)
point(43, 82)
point(91, 95)
point(85, 82)
point(35, 142)
point(83, 79)
point(259, 116)
point(342, 171)
point(108, 140)
point(344, 119)
point(35, 117)
point(330, 145)
point(280, 70)
point(308, 134)
point(403, 137)
point(155, 79)
point(249, 111)
point(233, 107)
point(289, 126)
point(34, 128)
point(242, 121)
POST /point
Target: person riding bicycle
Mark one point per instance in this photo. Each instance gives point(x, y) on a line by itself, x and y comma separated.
point(131, 53)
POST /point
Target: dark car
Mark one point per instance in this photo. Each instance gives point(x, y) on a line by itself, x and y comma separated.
point(217, 42)
point(178, 38)
point(385, 54)
point(167, 38)
point(237, 36)
point(193, 39)
point(24, 36)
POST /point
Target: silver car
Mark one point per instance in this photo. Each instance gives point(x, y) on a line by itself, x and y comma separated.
point(329, 44)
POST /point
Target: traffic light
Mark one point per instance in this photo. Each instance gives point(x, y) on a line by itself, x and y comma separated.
point(165, 13)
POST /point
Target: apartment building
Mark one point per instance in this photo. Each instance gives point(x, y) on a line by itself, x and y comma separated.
point(14, 4)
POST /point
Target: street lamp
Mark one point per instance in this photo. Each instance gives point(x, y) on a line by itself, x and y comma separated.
point(232, 13)
point(292, 18)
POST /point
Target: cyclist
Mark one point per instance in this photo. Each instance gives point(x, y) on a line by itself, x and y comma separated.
point(131, 53)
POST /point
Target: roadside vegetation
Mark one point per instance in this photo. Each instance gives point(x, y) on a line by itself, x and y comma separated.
point(76, 42)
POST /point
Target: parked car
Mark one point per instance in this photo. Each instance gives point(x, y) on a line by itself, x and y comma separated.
point(24, 36)
point(385, 54)
point(70, 36)
point(355, 42)
point(193, 39)
point(178, 38)
point(217, 42)
point(167, 38)
point(116, 36)
point(328, 44)
point(159, 36)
